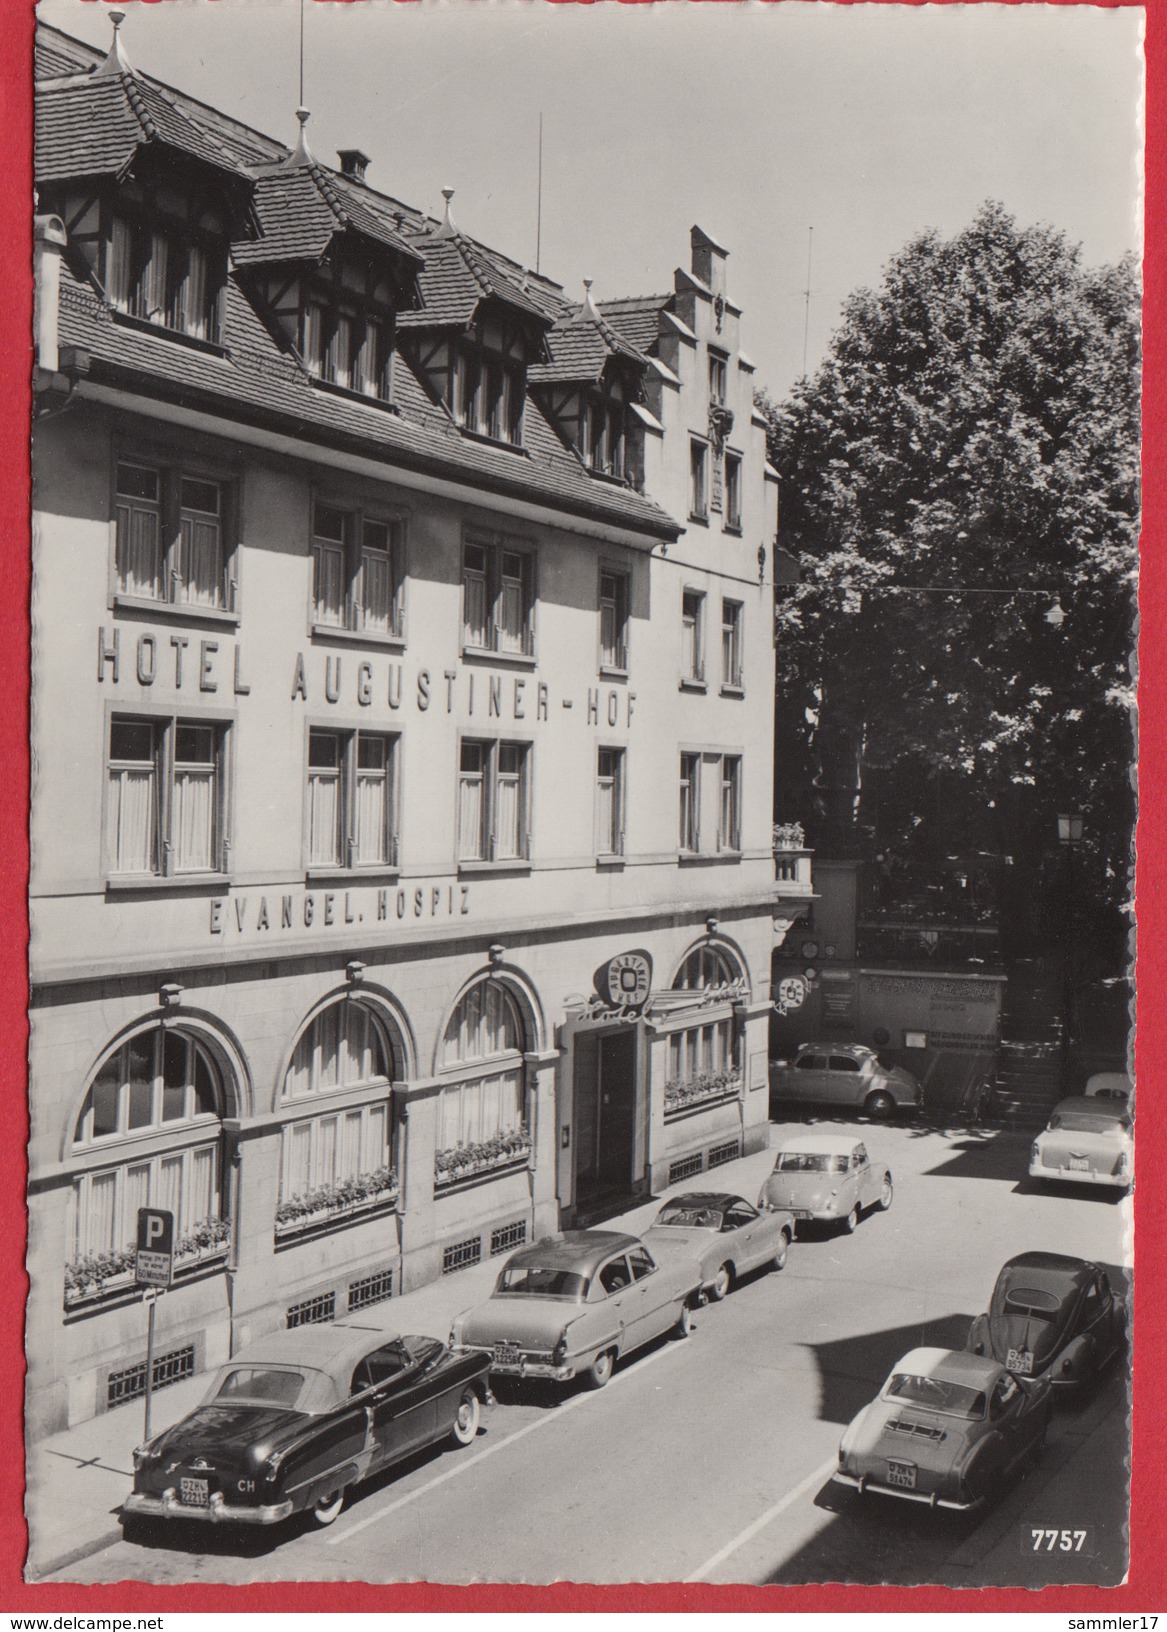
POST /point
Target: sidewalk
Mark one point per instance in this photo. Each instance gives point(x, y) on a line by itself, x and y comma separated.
point(78, 1479)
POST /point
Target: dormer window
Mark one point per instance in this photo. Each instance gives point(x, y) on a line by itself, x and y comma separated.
point(602, 436)
point(487, 382)
point(348, 348)
point(159, 275)
point(717, 378)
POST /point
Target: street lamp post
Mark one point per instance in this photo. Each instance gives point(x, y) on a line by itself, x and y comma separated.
point(1070, 837)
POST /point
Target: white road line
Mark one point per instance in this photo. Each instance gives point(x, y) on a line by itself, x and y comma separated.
point(467, 1464)
point(770, 1514)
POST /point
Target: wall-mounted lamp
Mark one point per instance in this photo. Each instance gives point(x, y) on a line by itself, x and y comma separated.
point(711, 925)
point(170, 995)
point(354, 972)
point(761, 562)
point(495, 952)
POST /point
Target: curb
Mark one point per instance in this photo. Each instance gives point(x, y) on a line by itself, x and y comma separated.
point(61, 1561)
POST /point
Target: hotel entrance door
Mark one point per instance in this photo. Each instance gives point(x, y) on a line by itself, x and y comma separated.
point(604, 1091)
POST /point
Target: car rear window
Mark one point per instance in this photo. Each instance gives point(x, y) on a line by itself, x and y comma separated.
point(1027, 1300)
point(1083, 1122)
point(689, 1217)
point(934, 1393)
point(805, 1161)
point(262, 1385)
point(532, 1281)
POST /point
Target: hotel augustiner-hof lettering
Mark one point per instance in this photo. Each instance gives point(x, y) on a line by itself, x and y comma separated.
point(203, 665)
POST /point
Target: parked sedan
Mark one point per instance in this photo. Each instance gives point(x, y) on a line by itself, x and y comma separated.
point(828, 1177)
point(1051, 1316)
point(298, 1418)
point(947, 1429)
point(844, 1074)
point(573, 1303)
point(1087, 1141)
point(724, 1233)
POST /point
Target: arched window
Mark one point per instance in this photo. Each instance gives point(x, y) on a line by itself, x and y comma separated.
point(706, 966)
point(339, 1153)
point(484, 1046)
point(159, 1082)
point(705, 1059)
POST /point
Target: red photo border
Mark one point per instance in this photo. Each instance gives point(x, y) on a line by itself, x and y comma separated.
point(1144, 1590)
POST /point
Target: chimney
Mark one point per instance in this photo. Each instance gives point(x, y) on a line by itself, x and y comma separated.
point(708, 260)
point(353, 163)
point(49, 243)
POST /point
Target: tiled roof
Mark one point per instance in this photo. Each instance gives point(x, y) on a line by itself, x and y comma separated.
point(300, 210)
point(637, 319)
point(95, 126)
point(258, 383)
point(581, 344)
point(57, 54)
point(458, 275)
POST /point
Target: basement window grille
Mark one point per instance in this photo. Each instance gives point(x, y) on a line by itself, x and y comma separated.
point(130, 1383)
point(462, 1255)
point(685, 1168)
point(720, 1154)
point(508, 1236)
point(370, 1289)
point(312, 1311)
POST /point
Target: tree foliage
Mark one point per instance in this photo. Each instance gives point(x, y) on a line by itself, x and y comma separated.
point(964, 463)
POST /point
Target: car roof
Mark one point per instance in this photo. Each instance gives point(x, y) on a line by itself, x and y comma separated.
point(327, 1347)
point(1093, 1105)
point(858, 1050)
point(1105, 1083)
point(820, 1144)
point(1056, 1268)
point(580, 1250)
point(950, 1366)
point(721, 1200)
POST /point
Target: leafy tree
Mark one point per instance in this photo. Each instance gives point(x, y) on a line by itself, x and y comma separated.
point(960, 483)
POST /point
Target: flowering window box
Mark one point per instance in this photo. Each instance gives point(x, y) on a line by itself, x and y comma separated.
point(502, 1153)
point(334, 1204)
point(98, 1276)
point(695, 1093)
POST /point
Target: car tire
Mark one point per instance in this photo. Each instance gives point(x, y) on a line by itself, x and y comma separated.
point(779, 1259)
point(684, 1321)
point(885, 1193)
point(850, 1223)
point(326, 1510)
point(600, 1371)
point(465, 1429)
point(135, 1528)
point(722, 1282)
point(880, 1105)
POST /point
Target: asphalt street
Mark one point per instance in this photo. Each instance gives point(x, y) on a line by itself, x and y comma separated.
point(709, 1458)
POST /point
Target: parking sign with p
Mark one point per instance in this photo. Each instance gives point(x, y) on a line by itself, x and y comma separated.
point(154, 1264)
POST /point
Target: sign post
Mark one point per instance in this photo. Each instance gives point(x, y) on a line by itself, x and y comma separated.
point(153, 1269)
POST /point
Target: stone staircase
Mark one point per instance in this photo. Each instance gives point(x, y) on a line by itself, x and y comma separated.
point(1029, 1078)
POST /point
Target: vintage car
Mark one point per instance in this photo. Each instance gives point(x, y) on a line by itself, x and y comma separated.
point(724, 1233)
point(948, 1428)
point(296, 1419)
point(844, 1074)
point(828, 1177)
point(1110, 1085)
point(1051, 1316)
point(573, 1303)
point(1086, 1141)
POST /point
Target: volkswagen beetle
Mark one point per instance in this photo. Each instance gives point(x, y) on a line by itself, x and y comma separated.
point(724, 1233)
point(947, 1429)
point(1051, 1315)
point(296, 1419)
point(573, 1303)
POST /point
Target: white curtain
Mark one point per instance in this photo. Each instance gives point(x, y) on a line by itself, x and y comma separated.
point(376, 591)
point(132, 820)
point(474, 632)
point(324, 817)
point(202, 562)
point(370, 814)
point(138, 554)
point(193, 826)
point(328, 562)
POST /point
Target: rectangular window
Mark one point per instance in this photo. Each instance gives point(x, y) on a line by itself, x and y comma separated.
point(160, 277)
point(614, 599)
point(346, 348)
point(170, 537)
point(693, 636)
point(733, 491)
point(105, 1204)
point(706, 1050)
point(699, 480)
point(717, 378)
point(731, 643)
point(497, 599)
point(165, 804)
point(610, 802)
point(729, 820)
point(470, 1113)
point(329, 1151)
point(494, 801)
point(352, 799)
point(689, 837)
point(357, 572)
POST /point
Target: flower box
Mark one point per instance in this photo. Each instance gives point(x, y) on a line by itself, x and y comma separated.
point(690, 1093)
point(101, 1275)
point(332, 1204)
point(504, 1150)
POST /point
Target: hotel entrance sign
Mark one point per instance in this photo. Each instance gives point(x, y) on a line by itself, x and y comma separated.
point(625, 981)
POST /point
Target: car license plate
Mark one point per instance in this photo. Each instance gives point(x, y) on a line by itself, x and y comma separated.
point(1079, 1164)
point(902, 1474)
point(1020, 1360)
point(801, 1212)
point(506, 1354)
point(194, 1492)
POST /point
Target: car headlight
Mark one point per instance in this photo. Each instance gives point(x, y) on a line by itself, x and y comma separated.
point(559, 1353)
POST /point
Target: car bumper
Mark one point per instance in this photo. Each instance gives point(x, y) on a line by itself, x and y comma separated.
point(534, 1368)
point(869, 1487)
point(1067, 1175)
point(217, 1511)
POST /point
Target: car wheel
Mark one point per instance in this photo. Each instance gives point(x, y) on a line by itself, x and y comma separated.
point(885, 1193)
point(684, 1322)
point(879, 1104)
point(600, 1369)
point(465, 1429)
point(851, 1221)
point(722, 1282)
point(327, 1509)
point(779, 1259)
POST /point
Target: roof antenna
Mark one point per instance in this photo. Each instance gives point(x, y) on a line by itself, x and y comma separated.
point(806, 319)
point(539, 201)
point(116, 62)
point(301, 53)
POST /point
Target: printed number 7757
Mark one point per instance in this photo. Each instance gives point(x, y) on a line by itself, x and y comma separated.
point(1060, 1541)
